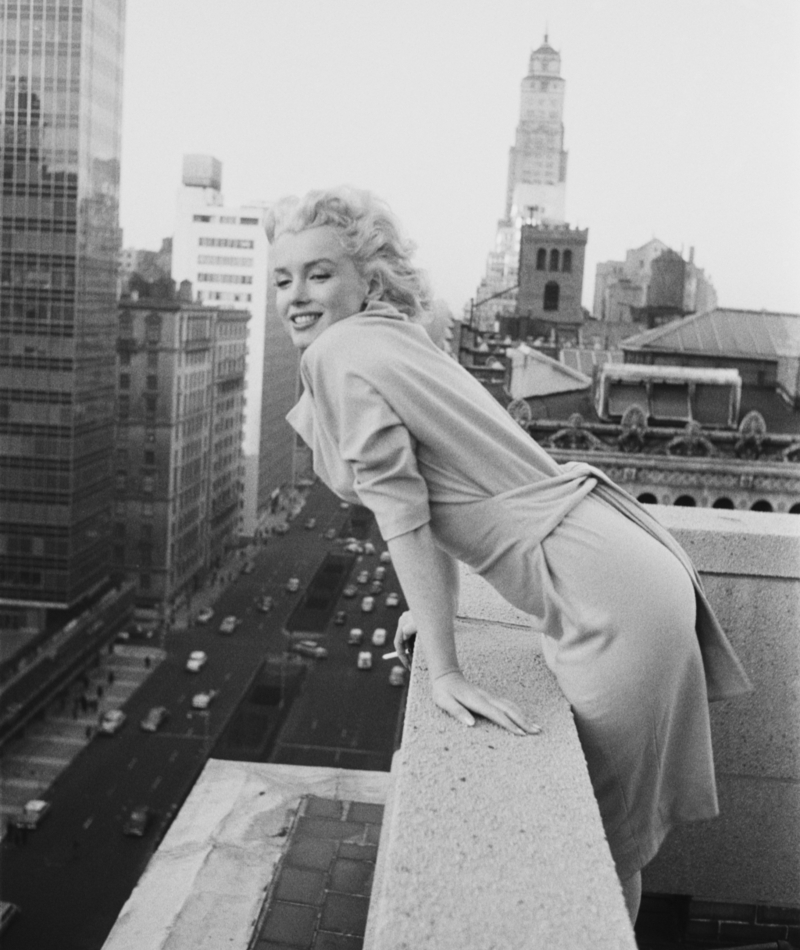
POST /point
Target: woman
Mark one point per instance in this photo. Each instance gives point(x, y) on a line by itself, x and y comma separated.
point(400, 427)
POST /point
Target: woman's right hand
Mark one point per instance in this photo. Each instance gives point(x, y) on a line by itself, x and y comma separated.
point(403, 638)
point(459, 698)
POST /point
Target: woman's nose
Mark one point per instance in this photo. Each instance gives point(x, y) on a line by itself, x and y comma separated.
point(299, 291)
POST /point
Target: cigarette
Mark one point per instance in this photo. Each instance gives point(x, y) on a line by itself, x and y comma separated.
point(391, 656)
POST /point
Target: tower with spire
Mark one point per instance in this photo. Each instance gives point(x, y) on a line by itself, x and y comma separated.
point(537, 161)
point(537, 178)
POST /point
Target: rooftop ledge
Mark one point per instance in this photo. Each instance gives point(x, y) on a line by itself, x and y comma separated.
point(490, 840)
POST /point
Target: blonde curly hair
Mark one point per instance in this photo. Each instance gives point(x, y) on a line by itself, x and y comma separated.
point(370, 234)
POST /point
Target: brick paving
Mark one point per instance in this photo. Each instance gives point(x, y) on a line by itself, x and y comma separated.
point(320, 895)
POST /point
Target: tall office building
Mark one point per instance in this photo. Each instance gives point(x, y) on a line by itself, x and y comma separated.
point(61, 66)
point(222, 250)
point(536, 186)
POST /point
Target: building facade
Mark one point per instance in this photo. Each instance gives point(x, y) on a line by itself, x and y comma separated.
point(276, 460)
point(536, 185)
point(222, 250)
point(551, 282)
point(653, 285)
point(178, 458)
point(62, 79)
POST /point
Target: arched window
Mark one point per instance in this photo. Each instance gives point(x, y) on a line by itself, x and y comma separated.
point(794, 510)
point(566, 262)
point(685, 501)
point(551, 294)
point(723, 503)
point(647, 498)
point(541, 259)
point(554, 259)
point(761, 505)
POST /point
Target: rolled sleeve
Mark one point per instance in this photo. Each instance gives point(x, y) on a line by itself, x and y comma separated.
point(381, 452)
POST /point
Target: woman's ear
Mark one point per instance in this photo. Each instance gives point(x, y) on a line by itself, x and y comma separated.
point(375, 287)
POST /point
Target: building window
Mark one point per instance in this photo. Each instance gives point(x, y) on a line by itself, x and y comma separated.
point(124, 407)
point(152, 359)
point(124, 381)
point(248, 220)
point(541, 259)
point(152, 382)
point(551, 294)
point(554, 259)
point(125, 358)
point(566, 262)
point(204, 218)
point(149, 458)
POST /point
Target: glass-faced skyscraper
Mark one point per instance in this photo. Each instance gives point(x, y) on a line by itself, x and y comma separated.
point(61, 69)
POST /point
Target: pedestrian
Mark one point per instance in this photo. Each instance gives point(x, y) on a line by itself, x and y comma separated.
point(99, 690)
point(397, 425)
point(84, 703)
point(88, 732)
point(147, 662)
point(110, 677)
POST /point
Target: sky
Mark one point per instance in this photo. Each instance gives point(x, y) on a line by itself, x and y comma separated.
point(682, 122)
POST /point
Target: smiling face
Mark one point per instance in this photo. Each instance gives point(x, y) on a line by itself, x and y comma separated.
point(317, 283)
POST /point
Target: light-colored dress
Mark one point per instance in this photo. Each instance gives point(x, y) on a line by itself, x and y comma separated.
point(398, 426)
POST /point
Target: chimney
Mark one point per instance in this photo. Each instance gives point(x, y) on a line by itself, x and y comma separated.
point(185, 291)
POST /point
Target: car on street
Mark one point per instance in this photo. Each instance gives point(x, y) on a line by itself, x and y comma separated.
point(197, 660)
point(350, 591)
point(362, 577)
point(205, 615)
point(32, 814)
point(311, 523)
point(340, 618)
point(153, 721)
point(397, 675)
point(393, 599)
point(310, 648)
point(385, 557)
point(248, 568)
point(137, 821)
point(369, 547)
point(203, 700)
point(229, 624)
point(112, 722)
point(379, 573)
point(264, 604)
point(379, 636)
point(376, 587)
point(293, 585)
point(364, 661)
point(353, 547)
point(344, 505)
point(368, 604)
point(330, 534)
point(282, 528)
point(355, 636)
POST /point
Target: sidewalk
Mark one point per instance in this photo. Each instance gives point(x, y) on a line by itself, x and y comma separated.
point(33, 762)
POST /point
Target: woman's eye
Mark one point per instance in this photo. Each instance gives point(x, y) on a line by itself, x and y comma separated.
point(282, 283)
point(320, 275)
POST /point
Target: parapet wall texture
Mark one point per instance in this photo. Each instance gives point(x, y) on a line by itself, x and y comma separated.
point(494, 841)
point(750, 565)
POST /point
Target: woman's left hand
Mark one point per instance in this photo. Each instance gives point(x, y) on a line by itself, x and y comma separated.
point(459, 698)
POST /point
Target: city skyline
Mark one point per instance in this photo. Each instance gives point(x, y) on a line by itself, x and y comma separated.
point(680, 122)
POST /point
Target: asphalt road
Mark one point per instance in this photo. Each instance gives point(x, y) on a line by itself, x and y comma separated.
point(72, 875)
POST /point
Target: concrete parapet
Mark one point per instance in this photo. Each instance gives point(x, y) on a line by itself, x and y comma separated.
point(492, 840)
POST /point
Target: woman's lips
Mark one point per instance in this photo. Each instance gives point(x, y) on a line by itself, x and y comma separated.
point(302, 321)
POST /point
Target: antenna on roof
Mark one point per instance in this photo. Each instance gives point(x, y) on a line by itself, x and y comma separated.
point(546, 30)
